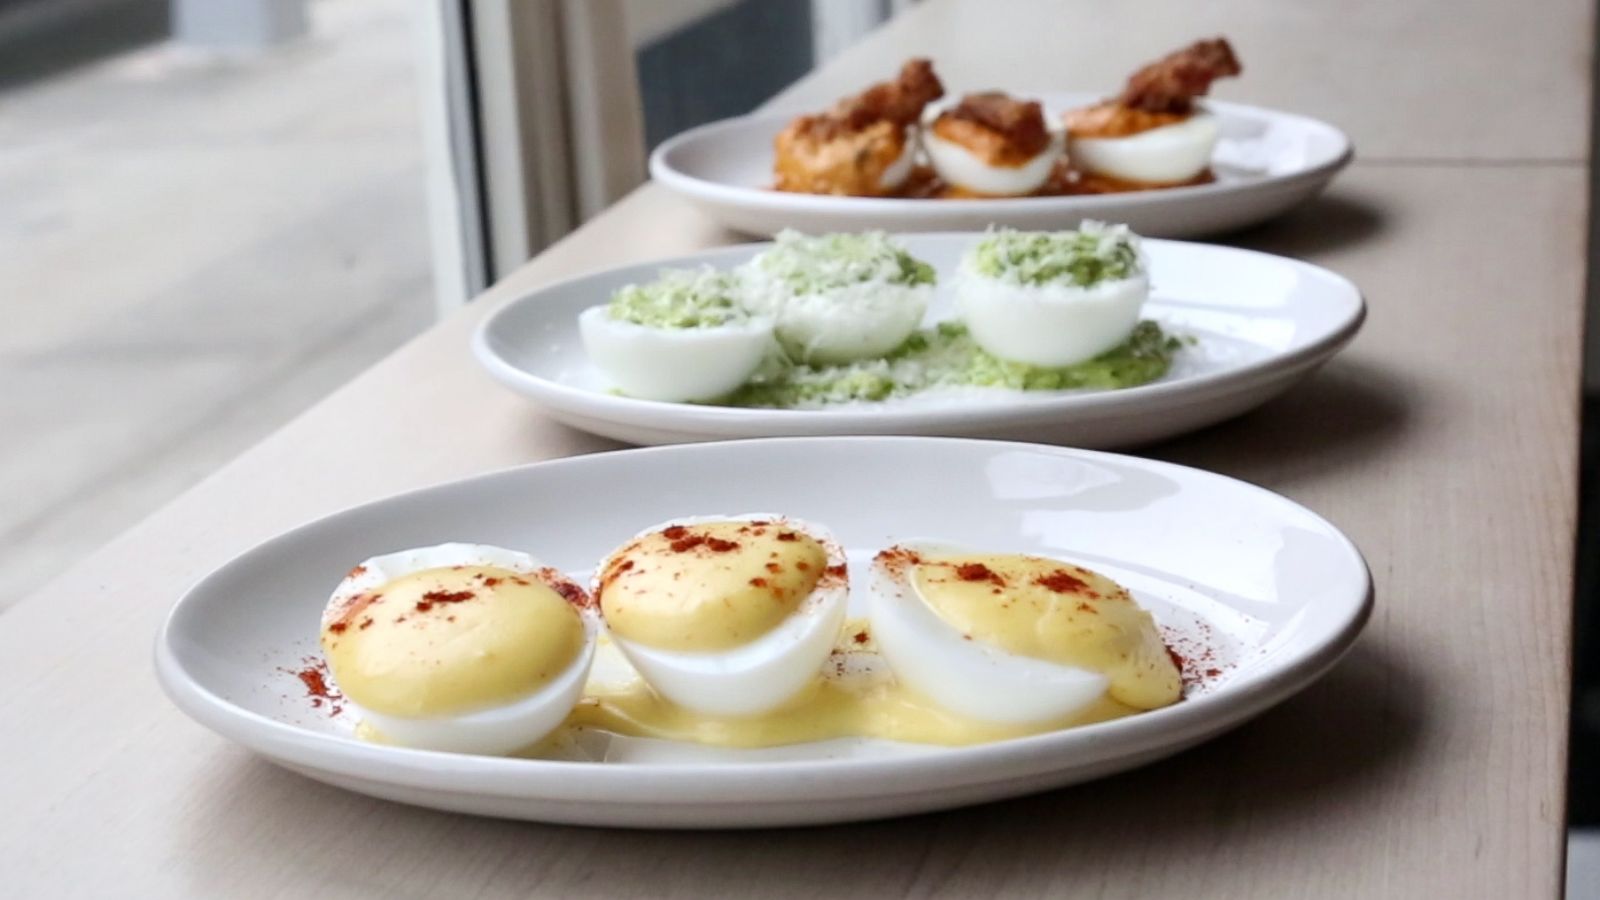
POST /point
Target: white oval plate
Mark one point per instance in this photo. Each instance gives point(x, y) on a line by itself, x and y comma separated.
point(1262, 323)
point(1266, 163)
point(1276, 593)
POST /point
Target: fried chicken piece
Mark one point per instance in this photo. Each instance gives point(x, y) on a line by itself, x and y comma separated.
point(860, 147)
point(999, 129)
point(1161, 93)
point(900, 101)
point(1170, 84)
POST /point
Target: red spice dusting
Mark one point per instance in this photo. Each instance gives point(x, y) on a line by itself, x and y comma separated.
point(837, 571)
point(774, 568)
point(338, 627)
point(788, 536)
point(1086, 608)
point(674, 533)
point(758, 582)
point(718, 545)
point(979, 572)
point(569, 591)
point(1198, 660)
point(432, 597)
point(860, 637)
point(800, 564)
point(1062, 582)
point(365, 623)
point(449, 618)
point(625, 565)
point(314, 675)
point(490, 582)
point(759, 523)
point(519, 580)
point(400, 620)
point(357, 572)
point(684, 545)
point(1176, 659)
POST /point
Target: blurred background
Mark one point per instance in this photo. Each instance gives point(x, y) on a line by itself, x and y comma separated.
point(215, 212)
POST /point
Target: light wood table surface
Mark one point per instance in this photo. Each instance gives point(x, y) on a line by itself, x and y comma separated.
point(1430, 764)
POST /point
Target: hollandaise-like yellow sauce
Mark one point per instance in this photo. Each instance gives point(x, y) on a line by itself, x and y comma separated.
point(451, 640)
point(708, 586)
point(843, 702)
point(1050, 610)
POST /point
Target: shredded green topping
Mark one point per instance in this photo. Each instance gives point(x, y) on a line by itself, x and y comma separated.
point(1094, 253)
point(808, 265)
point(681, 298)
point(947, 356)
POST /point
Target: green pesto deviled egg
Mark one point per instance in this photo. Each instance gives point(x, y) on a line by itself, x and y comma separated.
point(838, 298)
point(1053, 298)
point(684, 337)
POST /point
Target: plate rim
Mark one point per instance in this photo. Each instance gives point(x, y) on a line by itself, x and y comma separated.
point(661, 413)
point(687, 185)
point(683, 784)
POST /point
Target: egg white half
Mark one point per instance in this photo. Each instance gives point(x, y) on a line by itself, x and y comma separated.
point(765, 673)
point(840, 325)
point(966, 676)
point(1049, 325)
point(899, 170)
point(674, 364)
point(1165, 155)
point(496, 730)
point(961, 167)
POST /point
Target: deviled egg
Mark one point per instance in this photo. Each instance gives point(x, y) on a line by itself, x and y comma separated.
point(1175, 150)
point(685, 336)
point(865, 146)
point(726, 616)
point(461, 647)
point(1053, 299)
point(1155, 133)
point(838, 298)
point(992, 144)
point(1012, 638)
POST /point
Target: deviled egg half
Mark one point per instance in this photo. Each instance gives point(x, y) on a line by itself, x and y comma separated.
point(1056, 298)
point(1153, 149)
point(460, 647)
point(726, 616)
point(1015, 639)
point(685, 336)
point(991, 144)
point(838, 298)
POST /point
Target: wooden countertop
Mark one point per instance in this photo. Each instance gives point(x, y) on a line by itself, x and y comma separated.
point(1430, 763)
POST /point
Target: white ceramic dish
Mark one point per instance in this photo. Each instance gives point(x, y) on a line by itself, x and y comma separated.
point(1266, 163)
point(1276, 594)
point(1262, 323)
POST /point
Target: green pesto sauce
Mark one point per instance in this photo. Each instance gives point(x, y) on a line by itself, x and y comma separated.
point(1082, 258)
point(809, 265)
point(947, 356)
point(680, 298)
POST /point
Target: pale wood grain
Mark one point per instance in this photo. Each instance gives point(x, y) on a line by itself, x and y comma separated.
point(1430, 763)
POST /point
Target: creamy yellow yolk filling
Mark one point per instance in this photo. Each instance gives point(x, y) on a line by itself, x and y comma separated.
point(839, 705)
point(708, 587)
point(1049, 610)
point(452, 640)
